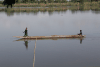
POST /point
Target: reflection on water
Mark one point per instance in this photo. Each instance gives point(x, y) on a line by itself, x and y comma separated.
point(10, 11)
point(50, 52)
point(96, 11)
point(81, 41)
point(26, 44)
point(26, 40)
point(34, 54)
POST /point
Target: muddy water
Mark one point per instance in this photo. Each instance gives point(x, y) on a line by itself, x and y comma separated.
point(51, 52)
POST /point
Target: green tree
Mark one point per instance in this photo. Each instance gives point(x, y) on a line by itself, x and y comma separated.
point(50, 1)
point(63, 1)
point(42, 1)
point(81, 1)
point(18, 1)
point(74, 0)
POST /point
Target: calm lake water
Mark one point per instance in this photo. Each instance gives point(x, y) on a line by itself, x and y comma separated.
point(51, 52)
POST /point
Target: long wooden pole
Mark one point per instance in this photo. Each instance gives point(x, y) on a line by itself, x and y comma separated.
point(34, 53)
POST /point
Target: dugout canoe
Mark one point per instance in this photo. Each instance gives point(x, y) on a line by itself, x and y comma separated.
point(52, 36)
point(22, 39)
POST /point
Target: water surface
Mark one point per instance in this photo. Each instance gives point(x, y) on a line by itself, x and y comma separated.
point(51, 52)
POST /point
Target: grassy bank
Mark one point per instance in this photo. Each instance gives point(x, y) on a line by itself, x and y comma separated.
point(50, 9)
point(55, 4)
point(34, 9)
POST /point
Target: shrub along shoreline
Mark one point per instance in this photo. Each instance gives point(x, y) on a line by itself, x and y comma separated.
point(49, 9)
point(55, 4)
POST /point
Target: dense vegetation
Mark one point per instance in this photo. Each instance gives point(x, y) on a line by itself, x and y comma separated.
point(51, 1)
point(55, 3)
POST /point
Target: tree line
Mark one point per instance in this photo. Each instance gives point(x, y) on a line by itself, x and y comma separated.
point(40, 1)
point(51, 1)
point(84, 0)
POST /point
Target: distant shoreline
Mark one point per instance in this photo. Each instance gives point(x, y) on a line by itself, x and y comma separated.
point(93, 4)
point(47, 9)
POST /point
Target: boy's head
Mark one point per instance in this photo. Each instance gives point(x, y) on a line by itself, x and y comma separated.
point(26, 28)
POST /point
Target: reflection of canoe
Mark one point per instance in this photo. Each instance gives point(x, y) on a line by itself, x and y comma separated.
point(52, 36)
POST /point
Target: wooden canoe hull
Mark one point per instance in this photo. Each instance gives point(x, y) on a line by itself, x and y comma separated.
point(52, 36)
point(23, 39)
